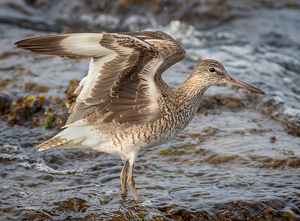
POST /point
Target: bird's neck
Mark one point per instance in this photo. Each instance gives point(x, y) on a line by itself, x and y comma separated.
point(190, 92)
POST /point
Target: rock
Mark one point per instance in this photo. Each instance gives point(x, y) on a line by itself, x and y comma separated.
point(5, 104)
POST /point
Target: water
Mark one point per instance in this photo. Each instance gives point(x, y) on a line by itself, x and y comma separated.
point(225, 165)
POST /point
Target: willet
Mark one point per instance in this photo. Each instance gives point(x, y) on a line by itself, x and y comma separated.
point(123, 105)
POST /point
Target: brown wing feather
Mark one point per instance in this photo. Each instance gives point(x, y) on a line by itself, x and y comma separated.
point(50, 45)
point(120, 84)
point(127, 74)
point(173, 52)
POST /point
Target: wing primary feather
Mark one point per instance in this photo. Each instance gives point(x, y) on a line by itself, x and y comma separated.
point(127, 95)
point(76, 115)
point(121, 85)
point(129, 101)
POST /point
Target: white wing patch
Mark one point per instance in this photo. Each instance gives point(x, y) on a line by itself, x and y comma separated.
point(94, 71)
point(147, 79)
point(84, 44)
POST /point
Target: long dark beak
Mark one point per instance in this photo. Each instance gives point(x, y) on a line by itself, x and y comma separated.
point(236, 82)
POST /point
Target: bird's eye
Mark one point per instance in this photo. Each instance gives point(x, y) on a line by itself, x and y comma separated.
point(212, 70)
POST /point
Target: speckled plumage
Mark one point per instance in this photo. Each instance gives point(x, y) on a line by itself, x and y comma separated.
point(123, 105)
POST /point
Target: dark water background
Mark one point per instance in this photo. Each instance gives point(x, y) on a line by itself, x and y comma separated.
point(238, 159)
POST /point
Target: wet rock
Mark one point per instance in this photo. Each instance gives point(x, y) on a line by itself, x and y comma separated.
point(207, 10)
point(193, 135)
point(252, 130)
point(191, 67)
point(19, 113)
point(172, 152)
point(209, 131)
point(207, 103)
point(165, 152)
point(287, 152)
point(218, 159)
point(159, 218)
point(272, 139)
point(203, 152)
point(203, 14)
point(33, 215)
point(4, 55)
point(43, 5)
point(293, 162)
point(75, 204)
point(270, 213)
point(272, 162)
point(167, 208)
point(38, 111)
point(294, 128)
point(8, 158)
point(238, 132)
point(272, 107)
point(5, 210)
point(5, 104)
point(48, 178)
point(182, 214)
point(30, 2)
point(70, 95)
point(4, 82)
point(268, 161)
point(220, 101)
point(232, 103)
point(24, 108)
point(38, 103)
point(252, 97)
point(273, 209)
point(34, 87)
point(288, 213)
point(49, 122)
point(60, 120)
point(36, 122)
point(277, 40)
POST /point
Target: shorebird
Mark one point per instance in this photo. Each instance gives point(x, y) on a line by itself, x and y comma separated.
point(123, 105)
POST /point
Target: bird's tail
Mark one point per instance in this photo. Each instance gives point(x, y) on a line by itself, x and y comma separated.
point(78, 136)
point(55, 141)
point(70, 138)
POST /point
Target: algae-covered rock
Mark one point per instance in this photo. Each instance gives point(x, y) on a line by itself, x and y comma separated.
point(49, 122)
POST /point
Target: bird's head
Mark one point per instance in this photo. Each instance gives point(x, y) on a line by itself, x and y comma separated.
point(211, 72)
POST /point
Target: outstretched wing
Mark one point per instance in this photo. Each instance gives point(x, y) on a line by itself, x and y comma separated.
point(120, 82)
point(169, 47)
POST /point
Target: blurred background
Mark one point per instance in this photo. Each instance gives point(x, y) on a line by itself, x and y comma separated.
point(238, 159)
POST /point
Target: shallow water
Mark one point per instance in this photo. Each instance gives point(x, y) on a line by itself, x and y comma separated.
point(225, 164)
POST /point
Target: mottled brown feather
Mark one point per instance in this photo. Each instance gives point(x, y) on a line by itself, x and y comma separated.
point(49, 45)
point(120, 87)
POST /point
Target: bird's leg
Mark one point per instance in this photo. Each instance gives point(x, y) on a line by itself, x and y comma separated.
point(131, 183)
point(123, 177)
